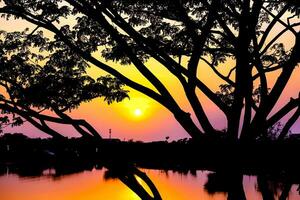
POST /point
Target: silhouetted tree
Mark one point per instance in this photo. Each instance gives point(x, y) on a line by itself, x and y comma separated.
point(32, 83)
point(205, 32)
point(231, 183)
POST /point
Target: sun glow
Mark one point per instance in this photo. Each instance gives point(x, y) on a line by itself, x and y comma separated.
point(138, 112)
point(137, 108)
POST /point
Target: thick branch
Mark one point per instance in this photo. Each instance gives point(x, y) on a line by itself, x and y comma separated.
point(167, 100)
point(289, 124)
point(292, 104)
point(90, 58)
point(44, 127)
point(99, 18)
point(260, 68)
point(175, 68)
point(224, 78)
point(26, 112)
point(270, 27)
point(29, 118)
point(274, 39)
point(75, 124)
point(223, 24)
point(243, 89)
point(259, 121)
point(266, 70)
point(280, 21)
point(287, 70)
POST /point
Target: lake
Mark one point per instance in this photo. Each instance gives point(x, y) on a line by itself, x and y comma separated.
point(96, 185)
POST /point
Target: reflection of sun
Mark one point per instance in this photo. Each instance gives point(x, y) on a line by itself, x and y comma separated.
point(137, 112)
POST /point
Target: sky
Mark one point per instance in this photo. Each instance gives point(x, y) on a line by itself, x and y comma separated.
point(139, 117)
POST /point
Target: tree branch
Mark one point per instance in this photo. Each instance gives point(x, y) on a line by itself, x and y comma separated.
point(270, 26)
point(292, 104)
point(274, 39)
point(162, 57)
point(224, 78)
point(280, 21)
point(288, 67)
point(289, 124)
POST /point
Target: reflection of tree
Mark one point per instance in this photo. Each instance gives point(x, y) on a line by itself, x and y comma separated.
point(267, 192)
point(203, 32)
point(131, 177)
point(232, 184)
point(285, 192)
point(269, 189)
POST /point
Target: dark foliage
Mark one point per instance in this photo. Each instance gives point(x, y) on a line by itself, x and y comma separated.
point(37, 75)
point(212, 31)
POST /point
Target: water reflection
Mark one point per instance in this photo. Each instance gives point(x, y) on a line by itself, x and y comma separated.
point(133, 178)
point(230, 183)
point(122, 181)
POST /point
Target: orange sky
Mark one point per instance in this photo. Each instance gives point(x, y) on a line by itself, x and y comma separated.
point(153, 122)
point(139, 117)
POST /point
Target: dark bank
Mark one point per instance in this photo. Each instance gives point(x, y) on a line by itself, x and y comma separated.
point(183, 155)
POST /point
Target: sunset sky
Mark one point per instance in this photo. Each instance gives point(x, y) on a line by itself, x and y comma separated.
point(139, 117)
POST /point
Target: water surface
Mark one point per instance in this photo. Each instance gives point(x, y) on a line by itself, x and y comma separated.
point(92, 185)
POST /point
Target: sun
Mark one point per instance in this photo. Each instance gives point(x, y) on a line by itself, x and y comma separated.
point(138, 112)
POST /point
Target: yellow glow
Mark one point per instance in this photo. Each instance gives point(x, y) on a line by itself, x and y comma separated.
point(136, 108)
point(138, 112)
point(144, 185)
